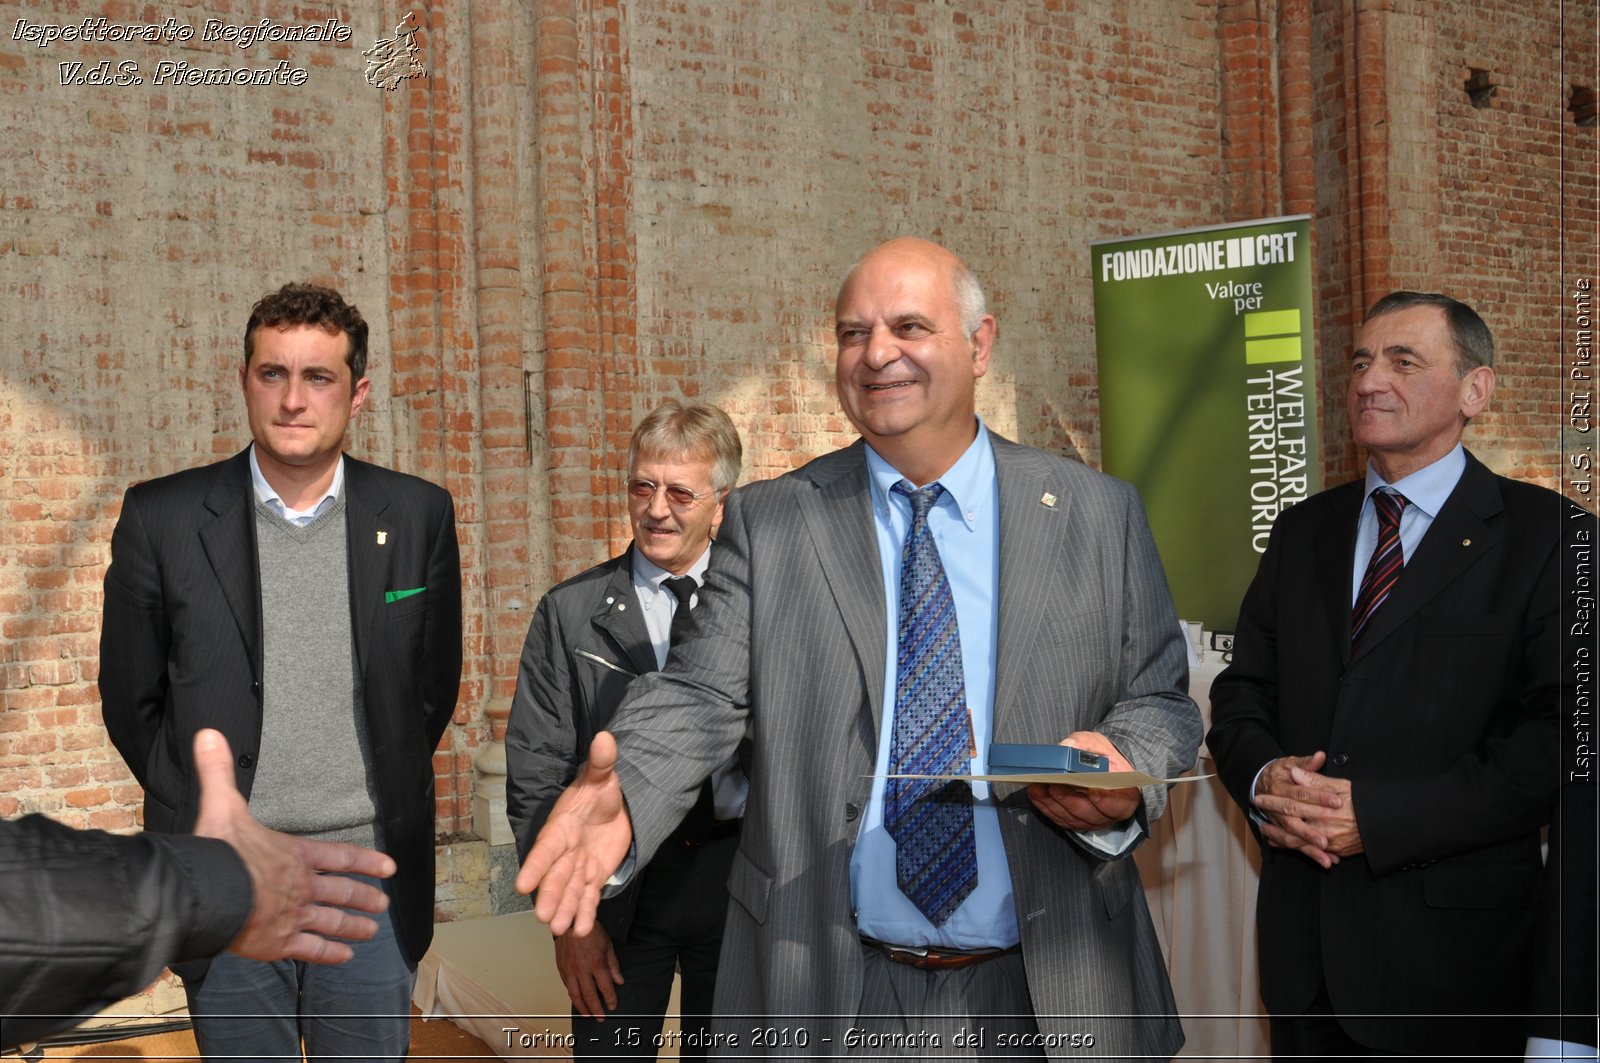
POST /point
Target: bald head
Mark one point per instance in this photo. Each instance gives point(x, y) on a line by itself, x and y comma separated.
point(910, 250)
point(913, 339)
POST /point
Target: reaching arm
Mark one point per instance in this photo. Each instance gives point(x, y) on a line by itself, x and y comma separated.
point(581, 844)
point(295, 907)
point(87, 918)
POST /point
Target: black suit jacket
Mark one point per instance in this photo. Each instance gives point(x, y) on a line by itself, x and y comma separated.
point(1445, 722)
point(586, 643)
point(181, 646)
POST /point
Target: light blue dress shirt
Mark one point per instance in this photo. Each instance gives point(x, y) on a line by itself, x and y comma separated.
point(965, 525)
point(1544, 1048)
point(1425, 491)
point(268, 494)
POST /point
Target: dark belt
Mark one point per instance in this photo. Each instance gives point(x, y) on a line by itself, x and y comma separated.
point(937, 959)
point(718, 830)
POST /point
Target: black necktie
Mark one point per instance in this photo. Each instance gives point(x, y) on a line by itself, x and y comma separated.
point(682, 588)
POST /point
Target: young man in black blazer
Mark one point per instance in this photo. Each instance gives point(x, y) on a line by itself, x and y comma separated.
point(308, 606)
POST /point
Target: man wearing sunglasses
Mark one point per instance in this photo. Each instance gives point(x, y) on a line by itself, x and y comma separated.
point(589, 638)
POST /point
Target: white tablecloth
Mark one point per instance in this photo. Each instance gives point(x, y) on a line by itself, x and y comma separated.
point(1200, 867)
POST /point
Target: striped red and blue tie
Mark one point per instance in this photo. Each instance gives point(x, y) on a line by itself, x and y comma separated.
point(1388, 558)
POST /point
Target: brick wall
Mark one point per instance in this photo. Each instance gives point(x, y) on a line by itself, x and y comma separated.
point(1419, 188)
point(587, 205)
point(139, 223)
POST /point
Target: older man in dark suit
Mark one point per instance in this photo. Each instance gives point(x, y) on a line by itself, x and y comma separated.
point(1389, 717)
point(590, 637)
point(893, 608)
point(308, 606)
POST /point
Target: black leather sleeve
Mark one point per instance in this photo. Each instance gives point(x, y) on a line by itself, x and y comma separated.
point(87, 918)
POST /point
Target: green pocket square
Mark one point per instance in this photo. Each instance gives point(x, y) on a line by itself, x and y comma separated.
point(390, 597)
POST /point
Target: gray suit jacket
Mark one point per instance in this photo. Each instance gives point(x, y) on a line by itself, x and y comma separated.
point(790, 633)
point(586, 643)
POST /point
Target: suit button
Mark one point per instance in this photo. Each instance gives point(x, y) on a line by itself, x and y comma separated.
point(851, 812)
point(1341, 759)
point(246, 761)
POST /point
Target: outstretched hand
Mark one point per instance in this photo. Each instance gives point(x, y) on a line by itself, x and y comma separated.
point(581, 845)
point(296, 908)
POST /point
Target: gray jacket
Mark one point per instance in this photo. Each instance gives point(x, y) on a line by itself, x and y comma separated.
point(587, 642)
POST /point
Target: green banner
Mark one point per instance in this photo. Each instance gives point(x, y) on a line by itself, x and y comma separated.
point(1208, 404)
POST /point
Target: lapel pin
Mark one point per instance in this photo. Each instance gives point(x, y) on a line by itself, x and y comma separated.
point(1466, 542)
point(383, 537)
point(1048, 499)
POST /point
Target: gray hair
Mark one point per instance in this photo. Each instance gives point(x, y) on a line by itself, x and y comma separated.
point(675, 429)
point(970, 299)
point(1473, 342)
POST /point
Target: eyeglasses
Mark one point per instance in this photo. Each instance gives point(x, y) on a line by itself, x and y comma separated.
point(678, 496)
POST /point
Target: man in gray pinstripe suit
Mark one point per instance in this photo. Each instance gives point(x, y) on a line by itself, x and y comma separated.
point(1067, 632)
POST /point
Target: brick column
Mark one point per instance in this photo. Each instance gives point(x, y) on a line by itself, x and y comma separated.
point(434, 403)
point(516, 530)
point(587, 262)
point(1251, 158)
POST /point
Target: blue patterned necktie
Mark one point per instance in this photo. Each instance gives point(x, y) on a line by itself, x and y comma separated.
point(936, 856)
point(1388, 558)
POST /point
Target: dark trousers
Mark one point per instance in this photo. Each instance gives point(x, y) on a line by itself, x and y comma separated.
point(677, 926)
point(360, 1010)
point(1317, 1035)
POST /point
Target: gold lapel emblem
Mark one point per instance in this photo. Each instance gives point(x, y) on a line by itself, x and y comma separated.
point(383, 537)
point(1048, 499)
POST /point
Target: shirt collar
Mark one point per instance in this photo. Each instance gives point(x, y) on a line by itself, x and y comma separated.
point(1428, 487)
point(647, 573)
point(969, 482)
point(266, 493)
